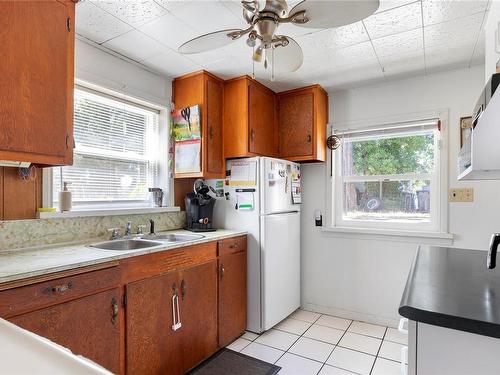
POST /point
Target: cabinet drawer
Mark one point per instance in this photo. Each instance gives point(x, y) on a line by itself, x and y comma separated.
point(141, 267)
point(232, 245)
point(32, 297)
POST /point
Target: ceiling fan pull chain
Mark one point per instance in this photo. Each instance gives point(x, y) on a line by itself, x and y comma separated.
point(253, 64)
point(272, 64)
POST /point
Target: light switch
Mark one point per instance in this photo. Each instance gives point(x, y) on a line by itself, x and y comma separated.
point(461, 195)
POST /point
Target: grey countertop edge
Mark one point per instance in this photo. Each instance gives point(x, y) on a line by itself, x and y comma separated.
point(440, 319)
point(114, 255)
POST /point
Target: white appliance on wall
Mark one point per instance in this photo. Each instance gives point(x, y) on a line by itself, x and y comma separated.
point(261, 195)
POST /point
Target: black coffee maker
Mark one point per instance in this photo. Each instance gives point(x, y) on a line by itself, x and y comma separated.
point(200, 208)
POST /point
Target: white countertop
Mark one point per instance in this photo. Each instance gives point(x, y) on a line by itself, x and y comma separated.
point(23, 263)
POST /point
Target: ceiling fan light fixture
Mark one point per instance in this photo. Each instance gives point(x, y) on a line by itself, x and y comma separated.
point(257, 54)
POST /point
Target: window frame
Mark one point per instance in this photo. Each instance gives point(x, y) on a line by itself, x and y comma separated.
point(164, 177)
point(438, 226)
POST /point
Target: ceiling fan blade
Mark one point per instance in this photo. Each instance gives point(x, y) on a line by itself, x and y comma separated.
point(286, 58)
point(325, 14)
point(208, 41)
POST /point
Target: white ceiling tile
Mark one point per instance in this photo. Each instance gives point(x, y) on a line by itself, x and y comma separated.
point(135, 13)
point(97, 25)
point(399, 65)
point(397, 20)
point(208, 16)
point(234, 6)
point(169, 30)
point(479, 51)
point(459, 32)
point(171, 5)
point(345, 78)
point(436, 11)
point(171, 64)
point(135, 45)
point(390, 4)
point(356, 55)
point(409, 42)
point(453, 58)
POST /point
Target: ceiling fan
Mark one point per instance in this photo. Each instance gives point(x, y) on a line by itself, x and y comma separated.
point(264, 17)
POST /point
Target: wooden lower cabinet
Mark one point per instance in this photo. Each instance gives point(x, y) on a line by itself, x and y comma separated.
point(88, 326)
point(153, 346)
point(232, 296)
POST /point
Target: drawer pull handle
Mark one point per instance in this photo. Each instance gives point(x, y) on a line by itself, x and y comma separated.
point(233, 246)
point(61, 288)
point(222, 271)
point(114, 310)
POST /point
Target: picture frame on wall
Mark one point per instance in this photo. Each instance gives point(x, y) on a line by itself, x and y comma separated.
point(465, 128)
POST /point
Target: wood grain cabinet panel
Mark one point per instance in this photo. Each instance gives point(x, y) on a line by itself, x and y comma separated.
point(88, 326)
point(232, 296)
point(249, 119)
point(302, 122)
point(36, 81)
point(206, 90)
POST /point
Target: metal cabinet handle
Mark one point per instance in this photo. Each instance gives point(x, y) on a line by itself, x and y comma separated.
point(222, 271)
point(61, 288)
point(176, 314)
point(252, 135)
point(114, 310)
point(309, 138)
point(183, 288)
point(233, 246)
point(211, 132)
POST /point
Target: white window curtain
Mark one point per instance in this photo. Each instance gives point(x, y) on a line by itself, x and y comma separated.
point(116, 152)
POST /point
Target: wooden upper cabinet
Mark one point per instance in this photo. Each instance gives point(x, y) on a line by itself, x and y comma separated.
point(206, 90)
point(36, 81)
point(249, 119)
point(302, 122)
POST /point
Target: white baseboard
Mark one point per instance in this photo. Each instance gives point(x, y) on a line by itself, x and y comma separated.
point(352, 315)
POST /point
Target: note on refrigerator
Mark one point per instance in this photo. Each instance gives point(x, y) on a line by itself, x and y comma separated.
point(244, 201)
point(296, 188)
point(243, 173)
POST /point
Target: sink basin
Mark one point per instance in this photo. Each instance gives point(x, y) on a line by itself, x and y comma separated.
point(173, 237)
point(125, 245)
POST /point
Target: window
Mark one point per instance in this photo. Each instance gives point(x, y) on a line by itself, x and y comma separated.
point(116, 156)
point(389, 177)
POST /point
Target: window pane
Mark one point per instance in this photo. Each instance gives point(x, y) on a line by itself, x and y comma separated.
point(388, 201)
point(95, 179)
point(406, 153)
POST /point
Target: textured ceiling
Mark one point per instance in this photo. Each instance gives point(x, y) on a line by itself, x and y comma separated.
point(402, 38)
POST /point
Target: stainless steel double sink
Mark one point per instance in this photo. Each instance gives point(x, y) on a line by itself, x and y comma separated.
point(145, 241)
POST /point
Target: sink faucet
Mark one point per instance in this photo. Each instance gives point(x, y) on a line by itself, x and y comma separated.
point(128, 228)
point(151, 226)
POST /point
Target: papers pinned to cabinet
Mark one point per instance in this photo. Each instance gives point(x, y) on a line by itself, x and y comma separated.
point(188, 156)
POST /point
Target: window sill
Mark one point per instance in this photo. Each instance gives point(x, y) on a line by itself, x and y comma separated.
point(106, 212)
point(434, 238)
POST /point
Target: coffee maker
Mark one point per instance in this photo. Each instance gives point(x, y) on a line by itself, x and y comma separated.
point(200, 208)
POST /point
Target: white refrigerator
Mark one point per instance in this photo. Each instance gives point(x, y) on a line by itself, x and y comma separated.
point(261, 195)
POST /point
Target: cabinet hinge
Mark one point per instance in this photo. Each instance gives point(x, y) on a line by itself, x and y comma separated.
point(68, 23)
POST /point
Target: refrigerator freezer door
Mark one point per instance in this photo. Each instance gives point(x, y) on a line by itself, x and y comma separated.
point(276, 186)
point(280, 247)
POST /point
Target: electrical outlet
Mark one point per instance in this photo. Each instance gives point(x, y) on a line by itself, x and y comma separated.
point(461, 195)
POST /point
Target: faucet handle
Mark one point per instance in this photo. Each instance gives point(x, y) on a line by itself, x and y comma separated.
point(114, 233)
point(140, 229)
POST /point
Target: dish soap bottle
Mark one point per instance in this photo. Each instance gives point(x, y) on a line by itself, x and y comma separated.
point(65, 198)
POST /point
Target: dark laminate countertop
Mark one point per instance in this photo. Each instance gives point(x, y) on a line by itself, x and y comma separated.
point(452, 288)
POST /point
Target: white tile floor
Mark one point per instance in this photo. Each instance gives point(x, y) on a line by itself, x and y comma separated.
point(308, 343)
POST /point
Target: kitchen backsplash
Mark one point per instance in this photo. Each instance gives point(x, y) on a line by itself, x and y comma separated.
point(28, 233)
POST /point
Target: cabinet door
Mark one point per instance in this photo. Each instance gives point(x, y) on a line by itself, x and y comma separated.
point(232, 296)
point(296, 124)
point(36, 81)
point(88, 326)
point(198, 287)
point(261, 120)
point(214, 97)
point(153, 347)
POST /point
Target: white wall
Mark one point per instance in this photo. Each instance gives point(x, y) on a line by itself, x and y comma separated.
point(103, 69)
point(365, 278)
